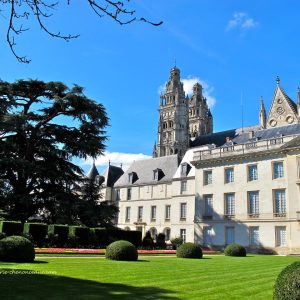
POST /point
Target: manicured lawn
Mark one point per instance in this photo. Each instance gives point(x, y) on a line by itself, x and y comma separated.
point(215, 277)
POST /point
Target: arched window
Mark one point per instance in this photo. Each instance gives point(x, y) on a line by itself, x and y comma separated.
point(167, 232)
point(153, 232)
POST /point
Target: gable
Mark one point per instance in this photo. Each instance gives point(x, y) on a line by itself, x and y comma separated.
point(283, 110)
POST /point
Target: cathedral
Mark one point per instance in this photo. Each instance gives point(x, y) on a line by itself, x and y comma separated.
point(240, 185)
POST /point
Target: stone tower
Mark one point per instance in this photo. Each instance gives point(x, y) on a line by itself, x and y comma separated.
point(173, 122)
point(200, 117)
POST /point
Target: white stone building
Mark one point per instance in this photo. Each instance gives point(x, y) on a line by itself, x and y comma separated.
point(240, 185)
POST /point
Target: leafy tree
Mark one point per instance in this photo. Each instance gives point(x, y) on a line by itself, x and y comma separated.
point(37, 147)
point(92, 211)
point(18, 12)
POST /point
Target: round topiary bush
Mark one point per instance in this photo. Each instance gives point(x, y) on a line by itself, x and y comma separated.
point(121, 250)
point(16, 249)
point(287, 285)
point(235, 250)
point(189, 250)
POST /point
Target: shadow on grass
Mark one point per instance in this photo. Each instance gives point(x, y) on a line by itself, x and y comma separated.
point(27, 284)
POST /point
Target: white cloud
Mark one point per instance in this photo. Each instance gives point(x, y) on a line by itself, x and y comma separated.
point(188, 84)
point(116, 159)
point(241, 20)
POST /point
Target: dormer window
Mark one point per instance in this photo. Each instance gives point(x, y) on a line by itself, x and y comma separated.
point(185, 168)
point(157, 174)
point(132, 177)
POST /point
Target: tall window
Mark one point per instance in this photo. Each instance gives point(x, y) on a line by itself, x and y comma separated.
point(140, 213)
point(252, 173)
point(168, 212)
point(280, 236)
point(208, 205)
point(229, 175)
point(183, 234)
point(118, 194)
point(127, 215)
point(253, 203)
point(207, 235)
point(129, 194)
point(207, 177)
point(183, 211)
point(183, 186)
point(254, 236)
point(229, 204)
point(167, 233)
point(229, 235)
point(279, 203)
point(278, 169)
point(153, 213)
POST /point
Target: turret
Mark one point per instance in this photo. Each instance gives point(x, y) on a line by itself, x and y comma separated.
point(262, 114)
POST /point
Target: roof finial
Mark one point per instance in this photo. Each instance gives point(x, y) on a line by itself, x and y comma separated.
point(109, 162)
point(94, 161)
point(277, 80)
point(121, 165)
point(175, 62)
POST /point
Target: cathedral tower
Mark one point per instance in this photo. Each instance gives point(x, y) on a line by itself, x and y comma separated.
point(173, 120)
point(200, 118)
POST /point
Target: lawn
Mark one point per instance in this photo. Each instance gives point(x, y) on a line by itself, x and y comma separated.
point(215, 277)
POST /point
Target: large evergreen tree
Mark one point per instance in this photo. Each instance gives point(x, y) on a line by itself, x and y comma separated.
point(43, 126)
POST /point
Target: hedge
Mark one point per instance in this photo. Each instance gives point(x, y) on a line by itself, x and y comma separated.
point(82, 234)
point(189, 250)
point(11, 227)
point(58, 234)
point(37, 231)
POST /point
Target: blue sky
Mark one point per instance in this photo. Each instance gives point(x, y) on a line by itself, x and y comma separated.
point(236, 49)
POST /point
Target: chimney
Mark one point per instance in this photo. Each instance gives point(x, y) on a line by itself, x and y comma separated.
point(251, 134)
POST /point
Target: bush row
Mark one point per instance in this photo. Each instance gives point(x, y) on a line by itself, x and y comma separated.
point(43, 235)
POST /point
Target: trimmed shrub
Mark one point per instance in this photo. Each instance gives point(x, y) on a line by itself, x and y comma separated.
point(16, 249)
point(37, 231)
point(235, 250)
point(147, 242)
point(58, 234)
point(121, 250)
point(189, 250)
point(160, 241)
point(287, 285)
point(176, 242)
point(82, 234)
point(11, 227)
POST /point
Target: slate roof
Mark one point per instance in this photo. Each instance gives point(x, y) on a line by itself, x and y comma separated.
point(111, 175)
point(144, 170)
point(92, 173)
point(239, 136)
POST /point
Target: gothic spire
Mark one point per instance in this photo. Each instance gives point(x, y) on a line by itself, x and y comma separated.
point(262, 114)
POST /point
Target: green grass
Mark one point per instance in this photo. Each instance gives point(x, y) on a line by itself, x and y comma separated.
point(215, 277)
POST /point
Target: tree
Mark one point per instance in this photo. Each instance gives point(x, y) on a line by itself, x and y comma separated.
point(91, 211)
point(37, 147)
point(20, 11)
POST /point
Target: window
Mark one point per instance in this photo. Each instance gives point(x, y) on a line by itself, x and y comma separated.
point(280, 236)
point(118, 194)
point(129, 194)
point(185, 168)
point(208, 206)
point(168, 212)
point(207, 177)
point(183, 234)
point(229, 175)
point(130, 177)
point(253, 203)
point(155, 174)
point(140, 213)
point(278, 169)
point(153, 233)
point(167, 232)
point(207, 235)
point(252, 173)
point(153, 213)
point(183, 186)
point(279, 203)
point(127, 215)
point(254, 236)
point(229, 205)
point(182, 211)
point(229, 235)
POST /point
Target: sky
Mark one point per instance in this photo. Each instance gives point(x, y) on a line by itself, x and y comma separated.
point(235, 48)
